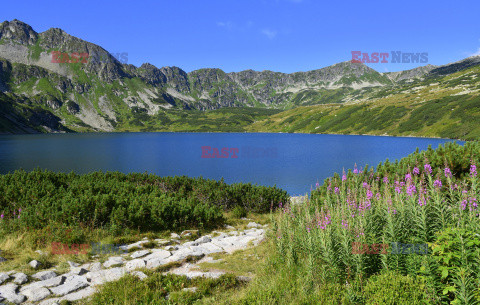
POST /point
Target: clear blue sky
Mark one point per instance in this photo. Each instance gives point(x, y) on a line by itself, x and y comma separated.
point(277, 35)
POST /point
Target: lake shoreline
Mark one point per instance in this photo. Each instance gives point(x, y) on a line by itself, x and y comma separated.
point(239, 132)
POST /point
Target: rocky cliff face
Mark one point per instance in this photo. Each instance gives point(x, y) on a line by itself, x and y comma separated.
point(107, 91)
point(411, 74)
point(18, 32)
point(456, 66)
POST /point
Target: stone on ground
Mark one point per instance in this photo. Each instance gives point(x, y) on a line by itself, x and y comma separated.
point(139, 253)
point(135, 264)
point(44, 275)
point(114, 260)
point(139, 274)
point(71, 284)
point(9, 292)
point(37, 294)
point(20, 278)
point(35, 264)
point(103, 276)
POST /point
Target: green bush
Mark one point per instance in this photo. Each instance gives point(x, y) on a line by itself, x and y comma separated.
point(239, 212)
point(117, 201)
point(393, 288)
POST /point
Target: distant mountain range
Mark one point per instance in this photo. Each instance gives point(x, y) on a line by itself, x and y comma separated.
point(38, 95)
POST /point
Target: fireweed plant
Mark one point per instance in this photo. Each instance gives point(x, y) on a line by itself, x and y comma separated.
point(418, 200)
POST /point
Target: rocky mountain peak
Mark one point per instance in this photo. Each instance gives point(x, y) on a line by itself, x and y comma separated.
point(18, 32)
point(151, 74)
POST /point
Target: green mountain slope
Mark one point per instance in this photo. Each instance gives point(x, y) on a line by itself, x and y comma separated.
point(447, 107)
point(38, 95)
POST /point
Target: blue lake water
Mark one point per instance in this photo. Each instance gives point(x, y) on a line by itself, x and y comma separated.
point(294, 162)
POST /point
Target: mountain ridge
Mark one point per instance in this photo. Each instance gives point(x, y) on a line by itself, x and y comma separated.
point(103, 95)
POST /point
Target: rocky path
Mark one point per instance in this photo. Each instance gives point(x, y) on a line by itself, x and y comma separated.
point(48, 287)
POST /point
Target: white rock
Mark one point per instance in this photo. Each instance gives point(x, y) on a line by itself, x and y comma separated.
point(175, 236)
point(183, 253)
point(221, 236)
point(139, 274)
point(190, 243)
point(76, 271)
point(203, 239)
point(156, 262)
point(20, 278)
point(162, 242)
point(35, 264)
point(139, 253)
point(95, 266)
point(208, 248)
point(37, 294)
point(44, 275)
point(158, 253)
point(46, 283)
point(253, 225)
point(114, 260)
point(254, 232)
point(9, 292)
point(103, 276)
point(79, 294)
point(3, 277)
point(138, 244)
point(221, 243)
point(135, 264)
point(229, 227)
point(54, 301)
point(71, 284)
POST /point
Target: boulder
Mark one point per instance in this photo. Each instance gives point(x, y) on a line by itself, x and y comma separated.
point(71, 284)
point(3, 277)
point(35, 264)
point(9, 292)
point(114, 260)
point(37, 294)
point(139, 274)
point(139, 253)
point(135, 264)
point(20, 278)
point(44, 275)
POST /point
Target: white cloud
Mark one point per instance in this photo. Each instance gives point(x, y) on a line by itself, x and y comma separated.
point(269, 33)
point(228, 25)
point(231, 26)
